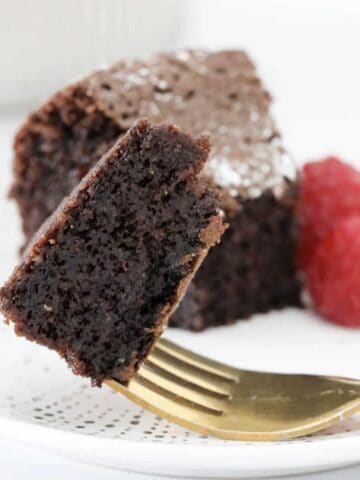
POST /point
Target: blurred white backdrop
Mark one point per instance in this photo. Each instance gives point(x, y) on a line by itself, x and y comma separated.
point(307, 52)
point(45, 43)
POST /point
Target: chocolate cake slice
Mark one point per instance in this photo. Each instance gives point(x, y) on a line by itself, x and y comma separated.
point(102, 275)
point(253, 270)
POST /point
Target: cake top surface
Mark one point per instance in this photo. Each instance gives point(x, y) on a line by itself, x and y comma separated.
point(200, 91)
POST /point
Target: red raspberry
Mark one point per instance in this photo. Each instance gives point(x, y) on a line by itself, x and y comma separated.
point(329, 192)
point(334, 274)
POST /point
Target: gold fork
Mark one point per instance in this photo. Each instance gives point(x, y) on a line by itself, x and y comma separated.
point(215, 399)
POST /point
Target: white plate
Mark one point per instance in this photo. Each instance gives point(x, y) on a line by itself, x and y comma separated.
point(43, 404)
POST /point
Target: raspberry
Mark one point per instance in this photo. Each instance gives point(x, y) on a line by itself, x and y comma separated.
point(334, 274)
point(329, 192)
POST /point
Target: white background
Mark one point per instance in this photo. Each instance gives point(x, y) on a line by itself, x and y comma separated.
point(307, 52)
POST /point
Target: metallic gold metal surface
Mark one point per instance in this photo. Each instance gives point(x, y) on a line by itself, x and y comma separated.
point(215, 399)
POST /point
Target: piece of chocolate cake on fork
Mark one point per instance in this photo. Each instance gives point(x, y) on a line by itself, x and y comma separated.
point(104, 273)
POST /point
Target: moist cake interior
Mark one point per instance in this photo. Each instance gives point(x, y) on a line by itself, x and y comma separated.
point(250, 271)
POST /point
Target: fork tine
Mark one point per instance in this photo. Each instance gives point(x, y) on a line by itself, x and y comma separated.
point(184, 372)
point(193, 360)
point(180, 391)
point(161, 401)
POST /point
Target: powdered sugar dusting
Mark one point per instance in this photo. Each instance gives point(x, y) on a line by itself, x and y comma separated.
point(200, 91)
point(225, 173)
point(253, 175)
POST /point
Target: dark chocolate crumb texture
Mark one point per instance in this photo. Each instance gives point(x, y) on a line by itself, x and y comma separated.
point(253, 269)
point(102, 275)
